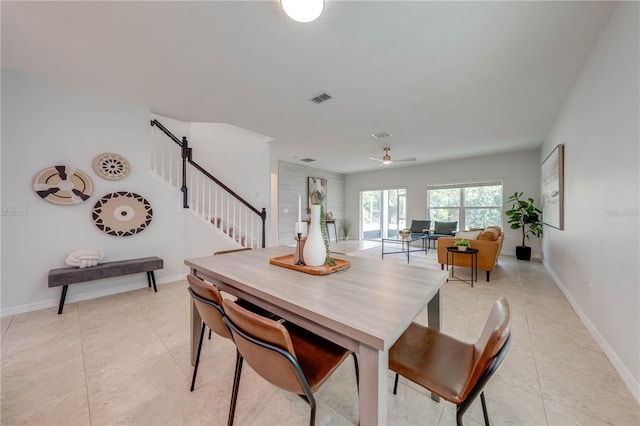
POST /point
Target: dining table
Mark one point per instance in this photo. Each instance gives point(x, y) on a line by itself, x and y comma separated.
point(365, 307)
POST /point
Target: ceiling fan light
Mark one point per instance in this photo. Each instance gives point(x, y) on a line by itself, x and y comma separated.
point(387, 161)
point(303, 10)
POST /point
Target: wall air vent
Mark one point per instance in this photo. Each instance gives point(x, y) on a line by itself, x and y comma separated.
point(382, 134)
point(307, 160)
point(322, 97)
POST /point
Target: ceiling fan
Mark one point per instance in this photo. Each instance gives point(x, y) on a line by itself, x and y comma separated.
point(386, 158)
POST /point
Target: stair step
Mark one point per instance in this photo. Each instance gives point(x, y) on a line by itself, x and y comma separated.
point(218, 223)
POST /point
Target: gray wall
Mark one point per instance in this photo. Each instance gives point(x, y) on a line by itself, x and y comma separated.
point(292, 181)
point(519, 171)
point(595, 258)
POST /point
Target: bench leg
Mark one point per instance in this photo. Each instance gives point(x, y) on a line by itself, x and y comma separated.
point(62, 297)
point(151, 277)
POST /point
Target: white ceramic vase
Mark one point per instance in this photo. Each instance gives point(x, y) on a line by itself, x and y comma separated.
point(314, 252)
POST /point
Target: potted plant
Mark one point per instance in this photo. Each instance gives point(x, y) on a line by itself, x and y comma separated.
point(462, 244)
point(524, 215)
point(345, 227)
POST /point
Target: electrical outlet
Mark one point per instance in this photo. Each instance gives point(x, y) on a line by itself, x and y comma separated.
point(14, 210)
point(285, 211)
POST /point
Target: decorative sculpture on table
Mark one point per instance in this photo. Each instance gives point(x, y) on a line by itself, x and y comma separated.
point(316, 248)
point(314, 252)
point(63, 185)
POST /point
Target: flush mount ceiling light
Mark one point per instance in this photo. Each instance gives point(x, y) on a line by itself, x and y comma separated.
point(303, 10)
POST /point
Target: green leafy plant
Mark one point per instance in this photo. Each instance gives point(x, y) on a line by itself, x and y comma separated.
point(462, 243)
point(524, 215)
point(325, 236)
point(345, 227)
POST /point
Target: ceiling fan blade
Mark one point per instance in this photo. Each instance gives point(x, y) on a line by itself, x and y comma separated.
point(375, 159)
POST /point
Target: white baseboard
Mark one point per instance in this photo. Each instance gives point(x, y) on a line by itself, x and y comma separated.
point(14, 310)
point(623, 372)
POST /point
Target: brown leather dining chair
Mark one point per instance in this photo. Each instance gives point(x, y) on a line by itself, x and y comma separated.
point(284, 354)
point(208, 302)
point(244, 303)
point(452, 369)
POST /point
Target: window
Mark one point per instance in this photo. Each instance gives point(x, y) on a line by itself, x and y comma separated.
point(382, 213)
point(472, 205)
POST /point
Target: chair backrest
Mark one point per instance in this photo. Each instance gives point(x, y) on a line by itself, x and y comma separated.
point(445, 227)
point(417, 226)
point(210, 308)
point(266, 345)
point(496, 331)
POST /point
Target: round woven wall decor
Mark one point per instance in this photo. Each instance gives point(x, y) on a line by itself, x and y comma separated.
point(111, 166)
point(122, 214)
point(63, 185)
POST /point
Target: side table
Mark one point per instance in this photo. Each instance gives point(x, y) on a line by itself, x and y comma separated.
point(474, 263)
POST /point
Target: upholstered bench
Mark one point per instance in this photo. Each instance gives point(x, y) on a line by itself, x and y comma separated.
point(72, 275)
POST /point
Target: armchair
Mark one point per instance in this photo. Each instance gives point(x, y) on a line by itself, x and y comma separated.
point(443, 229)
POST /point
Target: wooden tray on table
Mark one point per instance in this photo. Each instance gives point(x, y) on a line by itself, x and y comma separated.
point(286, 261)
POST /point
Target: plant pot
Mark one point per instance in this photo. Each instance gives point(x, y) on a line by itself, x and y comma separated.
point(462, 248)
point(523, 253)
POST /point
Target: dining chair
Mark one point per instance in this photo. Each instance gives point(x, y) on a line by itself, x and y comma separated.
point(451, 369)
point(244, 303)
point(284, 354)
point(208, 302)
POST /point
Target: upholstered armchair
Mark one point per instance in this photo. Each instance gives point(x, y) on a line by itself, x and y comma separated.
point(443, 229)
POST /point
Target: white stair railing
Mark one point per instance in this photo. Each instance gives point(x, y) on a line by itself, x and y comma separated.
point(208, 199)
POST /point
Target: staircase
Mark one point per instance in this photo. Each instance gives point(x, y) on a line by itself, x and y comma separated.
point(209, 199)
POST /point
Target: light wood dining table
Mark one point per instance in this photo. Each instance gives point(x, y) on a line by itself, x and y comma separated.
point(364, 308)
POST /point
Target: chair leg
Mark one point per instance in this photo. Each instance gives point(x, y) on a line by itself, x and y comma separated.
point(236, 385)
point(488, 274)
point(459, 414)
point(355, 363)
point(484, 409)
point(395, 384)
point(209, 334)
point(312, 417)
point(195, 368)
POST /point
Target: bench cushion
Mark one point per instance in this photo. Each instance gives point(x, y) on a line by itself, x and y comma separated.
point(72, 275)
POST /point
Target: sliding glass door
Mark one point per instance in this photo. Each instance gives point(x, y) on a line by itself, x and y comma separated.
point(382, 213)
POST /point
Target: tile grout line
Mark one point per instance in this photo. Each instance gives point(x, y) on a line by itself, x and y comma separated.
point(533, 352)
point(84, 365)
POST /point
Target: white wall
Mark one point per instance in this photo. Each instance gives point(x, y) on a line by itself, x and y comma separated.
point(519, 171)
point(595, 258)
point(44, 125)
point(229, 152)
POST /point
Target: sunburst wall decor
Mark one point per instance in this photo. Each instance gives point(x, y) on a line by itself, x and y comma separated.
point(122, 214)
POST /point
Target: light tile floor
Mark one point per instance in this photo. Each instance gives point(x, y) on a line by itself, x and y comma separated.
point(124, 360)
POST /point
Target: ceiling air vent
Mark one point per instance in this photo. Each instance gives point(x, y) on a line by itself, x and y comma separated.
point(307, 160)
point(322, 97)
point(382, 134)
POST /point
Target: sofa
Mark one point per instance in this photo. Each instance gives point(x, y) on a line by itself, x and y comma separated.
point(487, 241)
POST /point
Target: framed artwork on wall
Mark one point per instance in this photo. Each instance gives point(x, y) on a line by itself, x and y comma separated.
point(552, 176)
point(317, 192)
